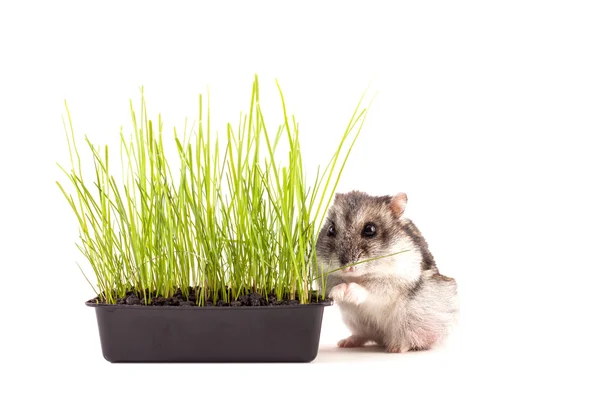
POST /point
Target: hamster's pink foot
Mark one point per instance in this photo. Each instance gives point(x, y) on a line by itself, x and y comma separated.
point(352, 341)
point(423, 341)
point(397, 348)
point(413, 342)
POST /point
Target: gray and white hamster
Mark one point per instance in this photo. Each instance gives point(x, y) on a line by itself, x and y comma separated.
point(400, 302)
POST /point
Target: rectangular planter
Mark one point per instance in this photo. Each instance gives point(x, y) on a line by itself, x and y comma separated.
point(130, 333)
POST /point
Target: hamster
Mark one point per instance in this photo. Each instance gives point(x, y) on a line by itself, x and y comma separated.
point(400, 302)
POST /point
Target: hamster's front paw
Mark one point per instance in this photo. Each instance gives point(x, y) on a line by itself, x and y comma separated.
point(349, 292)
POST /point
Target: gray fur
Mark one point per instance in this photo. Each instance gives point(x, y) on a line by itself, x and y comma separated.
point(400, 302)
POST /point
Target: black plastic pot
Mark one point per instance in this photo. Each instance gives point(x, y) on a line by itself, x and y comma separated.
point(130, 333)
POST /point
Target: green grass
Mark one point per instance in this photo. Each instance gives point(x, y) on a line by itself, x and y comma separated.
point(224, 216)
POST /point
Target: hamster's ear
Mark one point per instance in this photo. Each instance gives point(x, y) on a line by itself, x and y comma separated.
point(398, 204)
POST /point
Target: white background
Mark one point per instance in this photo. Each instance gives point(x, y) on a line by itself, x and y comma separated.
point(485, 115)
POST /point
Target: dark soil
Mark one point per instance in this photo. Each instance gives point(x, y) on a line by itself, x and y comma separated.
point(253, 299)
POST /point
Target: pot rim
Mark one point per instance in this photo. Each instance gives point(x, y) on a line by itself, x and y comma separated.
point(324, 303)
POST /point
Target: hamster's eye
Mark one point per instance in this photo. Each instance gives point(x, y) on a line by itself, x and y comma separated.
point(369, 230)
point(331, 230)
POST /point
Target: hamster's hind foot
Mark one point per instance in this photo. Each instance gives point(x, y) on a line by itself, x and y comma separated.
point(397, 348)
point(352, 341)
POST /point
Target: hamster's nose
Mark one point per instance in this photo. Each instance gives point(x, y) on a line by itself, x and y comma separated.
point(344, 259)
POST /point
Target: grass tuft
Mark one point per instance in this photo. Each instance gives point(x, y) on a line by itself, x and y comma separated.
point(233, 216)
